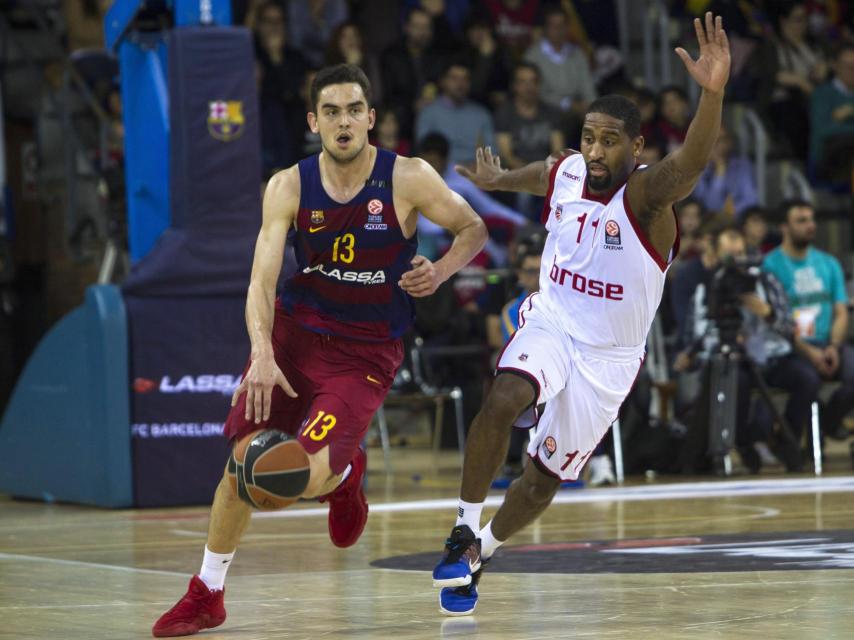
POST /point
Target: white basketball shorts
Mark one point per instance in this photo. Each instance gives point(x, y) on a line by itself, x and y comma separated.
point(583, 387)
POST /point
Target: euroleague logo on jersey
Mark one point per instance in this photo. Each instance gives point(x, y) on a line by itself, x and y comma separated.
point(375, 217)
point(612, 235)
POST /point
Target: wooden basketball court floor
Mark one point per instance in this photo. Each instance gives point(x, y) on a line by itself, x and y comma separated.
point(741, 558)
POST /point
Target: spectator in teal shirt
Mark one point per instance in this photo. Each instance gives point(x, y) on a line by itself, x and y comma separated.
point(815, 286)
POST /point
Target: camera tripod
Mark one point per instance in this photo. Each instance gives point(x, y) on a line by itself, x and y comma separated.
point(723, 397)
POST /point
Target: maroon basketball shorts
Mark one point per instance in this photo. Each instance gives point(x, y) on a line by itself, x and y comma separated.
point(340, 385)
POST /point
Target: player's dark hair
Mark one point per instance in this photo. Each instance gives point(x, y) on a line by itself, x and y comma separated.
point(620, 108)
point(434, 143)
point(340, 74)
point(787, 205)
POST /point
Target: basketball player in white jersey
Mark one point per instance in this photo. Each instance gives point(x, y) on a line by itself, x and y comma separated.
point(580, 343)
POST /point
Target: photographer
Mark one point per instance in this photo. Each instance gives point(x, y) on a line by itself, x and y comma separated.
point(738, 310)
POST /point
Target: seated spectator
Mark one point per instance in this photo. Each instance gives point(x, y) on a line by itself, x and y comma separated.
point(489, 66)
point(465, 124)
point(832, 120)
point(754, 227)
point(433, 148)
point(674, 116)
point(692, 273)
point(280, 74)
point(567, 81)
point(411, 68)
point(814, 283)
point(690, 215)
point(448, 19)
point(514, 23)
point(728, 185)
point(346, 45)
point(758, 324)
point(311, 24)
point(789, 67)
point(527, 130)
point(387, 133)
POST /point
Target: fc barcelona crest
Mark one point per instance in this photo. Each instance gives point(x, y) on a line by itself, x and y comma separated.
point(316, 216)
point(225, 119)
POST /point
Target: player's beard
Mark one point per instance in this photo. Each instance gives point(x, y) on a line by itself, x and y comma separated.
point(599, 183)
point(343, 157)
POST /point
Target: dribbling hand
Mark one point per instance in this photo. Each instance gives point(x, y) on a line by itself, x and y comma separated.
point(486, 171)
point(263, 375)
point(422, 280)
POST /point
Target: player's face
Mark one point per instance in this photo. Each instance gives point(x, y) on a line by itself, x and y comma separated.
point(608, 151)
point(343, 120)
point(800, 226)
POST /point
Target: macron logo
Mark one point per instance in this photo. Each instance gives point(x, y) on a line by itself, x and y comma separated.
point(567, 174)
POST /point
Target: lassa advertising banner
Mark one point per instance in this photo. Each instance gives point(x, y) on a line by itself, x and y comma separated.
point(186, 361)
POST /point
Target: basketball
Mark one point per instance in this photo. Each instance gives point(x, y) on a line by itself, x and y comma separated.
point(268, 469)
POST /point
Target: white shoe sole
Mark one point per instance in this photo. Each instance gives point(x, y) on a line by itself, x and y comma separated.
point(452, 582)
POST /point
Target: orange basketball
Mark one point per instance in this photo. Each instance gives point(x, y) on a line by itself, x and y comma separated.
point(268, 469)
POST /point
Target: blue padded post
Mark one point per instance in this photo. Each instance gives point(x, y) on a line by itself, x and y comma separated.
point(66, 431)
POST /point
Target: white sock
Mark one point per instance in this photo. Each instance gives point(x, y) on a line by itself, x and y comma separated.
point(488, 542)
point(214, 568)
point(468, 513)
point(346, 474)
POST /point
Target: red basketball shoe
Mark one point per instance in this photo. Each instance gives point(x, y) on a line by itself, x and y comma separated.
point(200, 608)
point(348, 509)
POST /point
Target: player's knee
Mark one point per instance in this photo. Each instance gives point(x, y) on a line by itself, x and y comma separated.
point(539, 488)
point(509, 397)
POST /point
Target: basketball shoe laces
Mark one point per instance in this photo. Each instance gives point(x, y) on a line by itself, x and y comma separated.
point(459, 546)
point(194, 604)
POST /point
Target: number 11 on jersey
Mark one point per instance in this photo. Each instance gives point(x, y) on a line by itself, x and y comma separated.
point(581, 220)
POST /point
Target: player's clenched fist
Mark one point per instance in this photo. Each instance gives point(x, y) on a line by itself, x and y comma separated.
point(422, 280)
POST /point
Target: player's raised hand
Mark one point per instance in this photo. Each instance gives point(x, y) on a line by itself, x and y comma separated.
point(258, 383)
point(487, 168)
point(422, 280)
point(711, 69)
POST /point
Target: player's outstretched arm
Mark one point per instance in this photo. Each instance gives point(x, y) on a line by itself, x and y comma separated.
point(424, 191)
point(655, 189)
point(281, 200)
point(490, 176)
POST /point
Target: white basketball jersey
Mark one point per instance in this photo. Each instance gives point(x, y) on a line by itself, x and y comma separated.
point(600, 277)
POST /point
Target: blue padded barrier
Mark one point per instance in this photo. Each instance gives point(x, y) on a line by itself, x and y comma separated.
point(65, 434)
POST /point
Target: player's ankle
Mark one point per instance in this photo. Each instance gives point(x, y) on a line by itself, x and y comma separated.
point(468, 513)
point(214, 568)
point(488, 542)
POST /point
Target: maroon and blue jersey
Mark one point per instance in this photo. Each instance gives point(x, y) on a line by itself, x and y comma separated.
point(350, 258)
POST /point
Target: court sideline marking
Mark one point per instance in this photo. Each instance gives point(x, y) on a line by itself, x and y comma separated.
point(676, 491)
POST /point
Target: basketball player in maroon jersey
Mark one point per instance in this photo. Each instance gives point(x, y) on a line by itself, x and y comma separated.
point(325, 354)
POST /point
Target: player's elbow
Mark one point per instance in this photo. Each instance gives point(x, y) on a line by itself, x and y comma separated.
point(479, 232)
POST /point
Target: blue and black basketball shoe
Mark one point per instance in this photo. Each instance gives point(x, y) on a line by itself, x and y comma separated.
point(461, 561)
point(461, 601)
